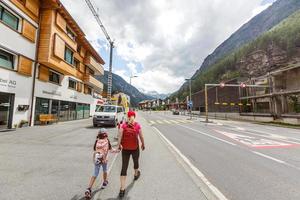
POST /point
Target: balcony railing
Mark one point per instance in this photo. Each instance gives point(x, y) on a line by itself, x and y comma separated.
point(93, 82)
point(94, 65)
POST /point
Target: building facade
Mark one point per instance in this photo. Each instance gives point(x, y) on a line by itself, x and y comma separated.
point(66, 85)
point(18, 45)
point(47, 66)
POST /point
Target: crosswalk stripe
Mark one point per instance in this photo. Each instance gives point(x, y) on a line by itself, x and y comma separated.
point(177, 121)
point(183, 121)
point(152, 122)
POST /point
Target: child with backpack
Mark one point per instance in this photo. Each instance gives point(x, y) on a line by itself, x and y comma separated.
point(101, 148)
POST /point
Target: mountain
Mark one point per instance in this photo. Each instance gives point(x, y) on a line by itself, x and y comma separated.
point(155, 94)
point(276, 49)
point(257, 26)
point(261, 23)
point(120, 85)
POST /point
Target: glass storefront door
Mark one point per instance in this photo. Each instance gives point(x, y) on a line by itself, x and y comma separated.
point(41, 107)
point(72, 113)
point(86, 111)
point(80, 110)
point(6, 101)
point(64, 111)
point(55, 107)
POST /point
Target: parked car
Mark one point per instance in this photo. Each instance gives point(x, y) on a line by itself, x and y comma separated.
point(175, 112)
point(108, 115)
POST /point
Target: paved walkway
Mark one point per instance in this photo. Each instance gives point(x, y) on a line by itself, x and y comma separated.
point(162, 176)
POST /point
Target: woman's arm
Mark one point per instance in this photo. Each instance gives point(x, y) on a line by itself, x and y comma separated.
point(120, 136)
point(94, 156)
point(141, 136)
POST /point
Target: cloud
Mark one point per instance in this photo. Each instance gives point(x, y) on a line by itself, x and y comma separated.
point(168, 38)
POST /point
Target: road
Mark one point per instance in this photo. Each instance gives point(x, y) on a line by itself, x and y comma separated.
point(245, 161)
point(47, 162)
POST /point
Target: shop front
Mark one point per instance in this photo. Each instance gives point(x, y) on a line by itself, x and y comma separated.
point(63, 110)
point(6, 110)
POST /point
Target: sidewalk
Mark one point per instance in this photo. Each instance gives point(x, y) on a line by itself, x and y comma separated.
point(162, 176)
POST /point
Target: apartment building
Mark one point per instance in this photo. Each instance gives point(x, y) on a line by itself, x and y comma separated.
point(18, 44)
point(66, 85)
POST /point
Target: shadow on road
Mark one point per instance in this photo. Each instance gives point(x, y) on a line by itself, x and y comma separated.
point(126, 197)
point(77, 197)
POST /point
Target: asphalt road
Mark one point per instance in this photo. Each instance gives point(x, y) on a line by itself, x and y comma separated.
point(245, 161)
point(47, 162)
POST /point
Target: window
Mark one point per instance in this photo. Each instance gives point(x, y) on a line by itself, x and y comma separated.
point(89, 71)
point(6, 60)
point(9, 19)
point(76, 63)
point(111, 109)
point(54, 77)
point(69, 56)
point(78, 48)
point(89, 90)
point(70, 33)
point(72, 84)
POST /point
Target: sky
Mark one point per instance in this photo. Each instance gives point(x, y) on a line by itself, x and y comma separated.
point(163, 42)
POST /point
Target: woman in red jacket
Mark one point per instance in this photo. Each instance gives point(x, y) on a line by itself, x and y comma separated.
point(129, 136)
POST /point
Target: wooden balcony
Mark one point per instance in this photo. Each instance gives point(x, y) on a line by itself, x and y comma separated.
point(93, 82)
point(94, 65)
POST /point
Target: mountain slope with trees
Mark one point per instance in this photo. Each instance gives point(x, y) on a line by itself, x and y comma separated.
point(120, 85)
point(283, 37)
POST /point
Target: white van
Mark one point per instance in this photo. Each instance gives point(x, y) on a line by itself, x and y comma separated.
point(108, 115)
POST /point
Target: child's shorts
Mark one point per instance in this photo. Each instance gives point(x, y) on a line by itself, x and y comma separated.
point(97, 169)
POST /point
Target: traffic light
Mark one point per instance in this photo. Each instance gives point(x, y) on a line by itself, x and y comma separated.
point(243, 85)
point(222, 84)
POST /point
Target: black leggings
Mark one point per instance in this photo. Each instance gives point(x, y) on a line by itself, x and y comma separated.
point(125, 160)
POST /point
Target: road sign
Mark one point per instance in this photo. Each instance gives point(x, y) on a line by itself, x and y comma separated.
point(190, 104)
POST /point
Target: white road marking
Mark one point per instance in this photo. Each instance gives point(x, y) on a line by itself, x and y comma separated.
point(213, 189)
point(160, 122)
point(168, 122)
point(269, 157)
point(273, 136)
point(152, 122)
point(216, 138)
point(176, 122)
point(240, 128)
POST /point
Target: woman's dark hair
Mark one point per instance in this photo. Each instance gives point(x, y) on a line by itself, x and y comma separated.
point(102, 136)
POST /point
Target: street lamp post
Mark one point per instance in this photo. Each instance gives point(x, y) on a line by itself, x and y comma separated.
point(131, 77)
point(190, 97)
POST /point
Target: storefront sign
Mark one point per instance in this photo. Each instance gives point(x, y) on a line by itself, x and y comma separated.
point(8, 83)
point(52, 93)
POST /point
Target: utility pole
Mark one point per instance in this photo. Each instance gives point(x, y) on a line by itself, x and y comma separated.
point(111, 44)
point(190, 96)
point(131, 77)
point(109, 81)
point(206, 104)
